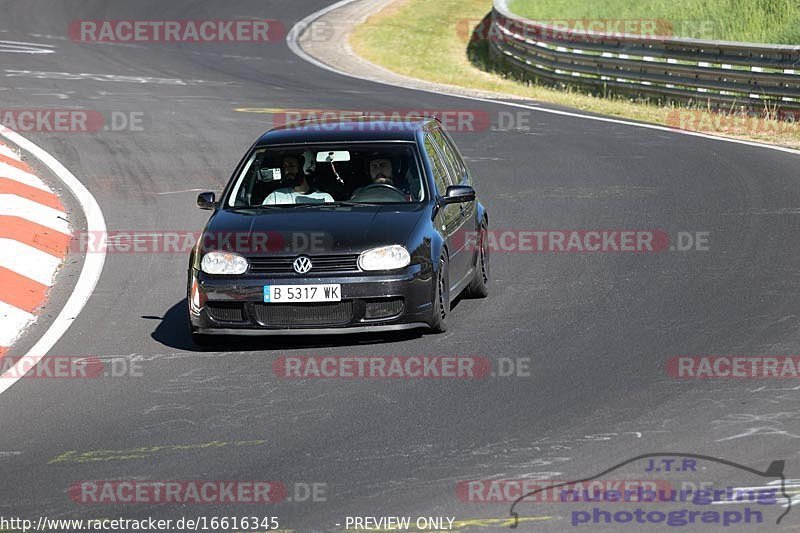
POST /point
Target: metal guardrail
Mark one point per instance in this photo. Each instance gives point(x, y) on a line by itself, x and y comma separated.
point(719, 73)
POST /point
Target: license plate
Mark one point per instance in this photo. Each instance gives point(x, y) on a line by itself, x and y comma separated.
point(278, 294)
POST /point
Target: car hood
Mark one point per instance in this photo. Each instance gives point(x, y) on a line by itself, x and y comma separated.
point(311, 230)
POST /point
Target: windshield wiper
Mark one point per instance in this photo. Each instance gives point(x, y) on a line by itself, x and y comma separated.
point(326, 204)
point(279, 206)
point(349, 203)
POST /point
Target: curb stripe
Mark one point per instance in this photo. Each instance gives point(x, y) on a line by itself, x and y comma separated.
point(30, 252)
point(21, 292)
point(9, 186)
point(14, 320)
point(29, 210)
point(7, 171)
point(8, 152)
point(28, 261)
point(90, 271)
point(15, 163)
point(41, 237)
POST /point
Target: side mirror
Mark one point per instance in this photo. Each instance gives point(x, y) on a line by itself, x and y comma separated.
point(457, 194)
point(206, 200)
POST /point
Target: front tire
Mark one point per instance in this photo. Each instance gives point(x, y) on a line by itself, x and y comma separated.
point(479, 287)
point(441, 304)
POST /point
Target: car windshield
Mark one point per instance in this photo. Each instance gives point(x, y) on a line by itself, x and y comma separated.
point(282, 176)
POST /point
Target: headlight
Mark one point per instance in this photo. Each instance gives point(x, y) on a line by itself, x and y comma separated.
point(384, 258)
point(223, 263)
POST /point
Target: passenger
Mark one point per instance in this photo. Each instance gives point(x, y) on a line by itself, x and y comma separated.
point(300, 190)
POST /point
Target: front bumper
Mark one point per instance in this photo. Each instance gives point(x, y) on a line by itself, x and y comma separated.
point(380, 302)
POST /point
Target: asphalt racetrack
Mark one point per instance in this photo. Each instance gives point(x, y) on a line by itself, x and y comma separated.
point(593, 332)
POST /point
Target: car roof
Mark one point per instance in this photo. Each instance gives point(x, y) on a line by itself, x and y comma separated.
point(349, 129)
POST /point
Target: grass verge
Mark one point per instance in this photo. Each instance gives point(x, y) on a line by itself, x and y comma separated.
point(430, 41)
point(754, 21)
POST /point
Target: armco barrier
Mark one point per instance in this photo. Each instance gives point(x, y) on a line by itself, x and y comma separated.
point(718, 73)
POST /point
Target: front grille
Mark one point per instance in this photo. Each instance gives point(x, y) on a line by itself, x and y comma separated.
point(383, 308)
point(320, 264)
point(225, 311)
point(313, 314)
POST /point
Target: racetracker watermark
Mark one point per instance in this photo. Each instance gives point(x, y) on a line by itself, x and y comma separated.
point(554, 491)
point(588, 30)
point(208, 492)
point(734, 367)
point(400, 367)
point(204, 492)
point(782, 123)
point(584, 241)
point(459, 120)
point(68, 367)
point(177, 31)
point(72, 120)
point(182, 242)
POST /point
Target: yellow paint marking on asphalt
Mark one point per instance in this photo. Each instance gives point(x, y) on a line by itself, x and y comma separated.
point(459, 525)
point(301, 111)
point(128, 454)
point(496, 522)
point(274, 110)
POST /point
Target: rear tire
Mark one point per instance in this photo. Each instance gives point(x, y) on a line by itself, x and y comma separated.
point(479, 287)
point(441, 304)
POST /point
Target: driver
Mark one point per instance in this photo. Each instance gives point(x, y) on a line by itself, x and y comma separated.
point(381, 172)
point(300, 191)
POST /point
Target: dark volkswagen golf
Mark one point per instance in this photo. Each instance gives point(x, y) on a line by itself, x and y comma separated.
point(341, 226)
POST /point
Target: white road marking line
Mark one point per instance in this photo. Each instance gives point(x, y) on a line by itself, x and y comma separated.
point(28, 261)
point(60, 96)
point(9, 454)
point(116, 78)
point(179, 192)
point(23, 43)
point(294, 46)
point(17, 206)
point(789, 486)
point(92, 265)
point(12, 322)
point(7, 171)
point(16, 47)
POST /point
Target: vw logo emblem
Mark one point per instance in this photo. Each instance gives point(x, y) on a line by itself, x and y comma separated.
point(302, 264)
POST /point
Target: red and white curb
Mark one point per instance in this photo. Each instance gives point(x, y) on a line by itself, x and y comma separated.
point(34, 240)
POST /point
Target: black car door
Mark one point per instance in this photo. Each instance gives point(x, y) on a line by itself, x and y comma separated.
point(448, 218)
point(464, 213)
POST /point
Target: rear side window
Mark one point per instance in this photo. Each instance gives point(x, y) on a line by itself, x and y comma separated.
point(439, 171)
point(455, 165)
point(462, 172)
